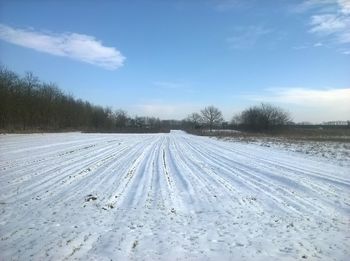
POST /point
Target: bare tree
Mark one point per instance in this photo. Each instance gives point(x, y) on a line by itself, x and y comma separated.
point(121, 118)
point(195, 119)
point(211, 116)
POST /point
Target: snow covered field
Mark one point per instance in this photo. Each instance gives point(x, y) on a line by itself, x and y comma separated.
point(168, 197)
point(335, 151)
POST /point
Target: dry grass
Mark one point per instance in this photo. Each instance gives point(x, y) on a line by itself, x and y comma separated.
point(333, 145)
point(297, 134)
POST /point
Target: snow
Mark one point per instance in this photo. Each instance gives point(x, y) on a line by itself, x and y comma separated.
point(336, 151)
point(167, 197)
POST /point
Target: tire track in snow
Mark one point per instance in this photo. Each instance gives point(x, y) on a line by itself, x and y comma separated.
point(160, 195)
point(258, 178)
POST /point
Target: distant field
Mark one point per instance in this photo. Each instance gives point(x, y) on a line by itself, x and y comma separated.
point(168, 197)
point(334, 149)
point(341, 134)
point(330, 143)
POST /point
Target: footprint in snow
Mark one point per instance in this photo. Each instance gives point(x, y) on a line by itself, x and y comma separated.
point(90, 197)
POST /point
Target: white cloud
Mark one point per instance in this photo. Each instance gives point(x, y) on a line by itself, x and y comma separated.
point(328, 23)
point(334, 25)
point(324, 5)
point(315, 105)
point(331, 19)
point(247, 37)
point(311, 96)
point(178, 110)
point(344, 37)
point(79, 47)
point(345, 6)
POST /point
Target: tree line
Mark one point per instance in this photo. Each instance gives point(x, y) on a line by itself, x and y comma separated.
point(28, 104)
point(264, 117)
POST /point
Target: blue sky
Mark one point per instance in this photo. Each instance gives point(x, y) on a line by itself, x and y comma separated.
point(170, 58)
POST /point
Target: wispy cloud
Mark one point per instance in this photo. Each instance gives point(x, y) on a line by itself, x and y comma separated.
point(334, 25)
point(328, 23)
point(330, 18)
point(247, 37)
point(337, 26)
point(310, 5)
point(345, 6)
point(79, 47)
point(306, 96)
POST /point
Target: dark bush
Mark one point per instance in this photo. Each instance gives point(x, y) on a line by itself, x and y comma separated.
point(262, 118)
